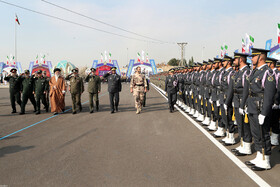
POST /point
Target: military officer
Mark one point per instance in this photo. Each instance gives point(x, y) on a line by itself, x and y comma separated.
point(234, 97)
point(171, 87)
point(40, 89)
point(27, 88)
point(259, 92)
point(138, 86)
point(14, 88)
point(114, 88)
point(76, 89)
point(94, 88)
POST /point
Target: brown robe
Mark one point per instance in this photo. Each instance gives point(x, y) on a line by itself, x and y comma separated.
point(57, 95)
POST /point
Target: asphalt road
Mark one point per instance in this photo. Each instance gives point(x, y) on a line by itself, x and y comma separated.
point(155, 148)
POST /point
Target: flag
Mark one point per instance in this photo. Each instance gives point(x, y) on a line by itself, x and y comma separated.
point(222, 51)
point(243, 46)
point(7, 60)
point(147, 58)
point(37, 59)
point(278, 33)
point(101, 58)
point(225, 52)
point(138, 57)
point(44, 59)
point(105, 57)
point(143, 56)
point(249, 42)
point(110, 60)
point(17, 20)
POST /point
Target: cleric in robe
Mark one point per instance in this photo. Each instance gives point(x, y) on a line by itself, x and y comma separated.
point(57, 92)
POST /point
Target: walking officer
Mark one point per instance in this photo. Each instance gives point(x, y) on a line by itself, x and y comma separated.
point(14, 88)
point(40, 89)
point(114, 88)
point(76, 89)
point(94, 88)
point(171, 87)
point(27, 88)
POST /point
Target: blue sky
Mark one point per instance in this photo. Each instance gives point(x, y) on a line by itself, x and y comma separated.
point(201, 23)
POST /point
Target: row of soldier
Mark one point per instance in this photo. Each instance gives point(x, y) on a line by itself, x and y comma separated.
point(223, 92)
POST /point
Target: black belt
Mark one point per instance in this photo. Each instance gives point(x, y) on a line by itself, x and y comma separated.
point(139, 85)
point(251, 94)
point(238, 91)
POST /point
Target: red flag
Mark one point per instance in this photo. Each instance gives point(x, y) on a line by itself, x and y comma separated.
point(17, 20)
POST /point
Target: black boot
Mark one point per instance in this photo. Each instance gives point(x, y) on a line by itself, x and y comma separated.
point(47, 108)
point(117, 108)
point(97, 105)
point(14, 111)
point(38, 112)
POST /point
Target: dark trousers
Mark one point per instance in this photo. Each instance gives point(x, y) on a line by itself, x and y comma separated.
point(172, 99)
point(216, 115)
point(183, 97)
point(25, 97)
point(274, 121)
point(256, 132)
point(15, 97)
point(244, 130)
point(39, 98)
point(76, 101)
point(227, 118)
point(114, 100)
point(91, 97)
point(145, 97)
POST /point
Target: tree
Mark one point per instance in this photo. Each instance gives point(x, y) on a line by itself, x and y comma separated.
point(173, 62)
point(191, 61)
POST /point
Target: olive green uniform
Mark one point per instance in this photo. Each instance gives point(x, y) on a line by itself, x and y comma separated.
point(94, 86)
point(14, 89)
point(27, 87)
point(40, 89)
point(76, 89)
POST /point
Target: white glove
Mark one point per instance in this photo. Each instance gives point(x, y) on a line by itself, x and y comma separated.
point(241, 111)
point(246, 110)
point(218, 102)
point(261, 119)
point(225, 106)
point(233, 104)
point(275, 106)
point(190, 92)
point(210, 101)
point(199, 97)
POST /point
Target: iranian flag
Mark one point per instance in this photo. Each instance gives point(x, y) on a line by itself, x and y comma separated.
point(222, 51)
point(249, 42)
point(278, 33)
point(17, 20)
point(243, 46)
point(147, 58)
point(44, 59)
point(101, 58)
point(226, 48)
point(8, 60)
point(110, 55)
point(37, 59)
point(138, 57)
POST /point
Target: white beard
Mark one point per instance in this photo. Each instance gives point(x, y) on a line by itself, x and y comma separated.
point(56, 77)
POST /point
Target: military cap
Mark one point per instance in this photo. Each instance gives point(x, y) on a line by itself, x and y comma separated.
point(13, 70)
point(26, 71)
point(227, 58)
point(258, 51)
point(39, 71)
point(75, 71)
point(217, 60)
point(92, 69)
point(56, 69)
point(199, 64)
point(210, 61)
point(205, 62)
point(113, 68)
point(171, 70)
point(238, 55)
point(269, 60)
point(278, 63)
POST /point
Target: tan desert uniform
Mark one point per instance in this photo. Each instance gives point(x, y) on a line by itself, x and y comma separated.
point(138, 83)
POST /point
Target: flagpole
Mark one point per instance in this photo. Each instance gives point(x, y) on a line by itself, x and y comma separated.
point(15, 41)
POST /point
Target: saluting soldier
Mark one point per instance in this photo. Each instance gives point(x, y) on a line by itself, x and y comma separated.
point(76, 89)
point(114, 88)
point(14, 88)
point(40, 89)
point(138, 86)
point(234, 97)
point(27, 88)
point(171, 87)
point(259, 92)
point(94, 88)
